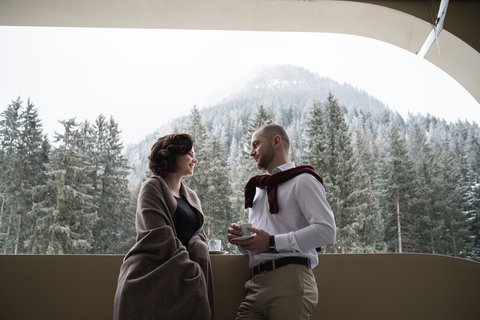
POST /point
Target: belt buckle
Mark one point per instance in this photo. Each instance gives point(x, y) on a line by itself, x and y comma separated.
point(264, 267)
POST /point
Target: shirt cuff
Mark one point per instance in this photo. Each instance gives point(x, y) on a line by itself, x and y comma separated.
point(281, 242)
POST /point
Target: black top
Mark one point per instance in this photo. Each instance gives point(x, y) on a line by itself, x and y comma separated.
point(185, 220)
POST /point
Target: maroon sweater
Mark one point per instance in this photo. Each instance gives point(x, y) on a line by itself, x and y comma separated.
point(271, 182)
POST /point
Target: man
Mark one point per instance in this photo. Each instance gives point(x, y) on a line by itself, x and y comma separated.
point(291, 218)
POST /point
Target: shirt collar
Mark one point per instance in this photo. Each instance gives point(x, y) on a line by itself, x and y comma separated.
point(283, 167)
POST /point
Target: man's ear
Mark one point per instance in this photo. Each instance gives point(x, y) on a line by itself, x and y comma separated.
point(276, 141)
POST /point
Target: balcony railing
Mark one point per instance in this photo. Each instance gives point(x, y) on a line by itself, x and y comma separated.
point(351, 286)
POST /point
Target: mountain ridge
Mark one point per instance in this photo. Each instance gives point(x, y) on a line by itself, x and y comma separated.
point(287, 93)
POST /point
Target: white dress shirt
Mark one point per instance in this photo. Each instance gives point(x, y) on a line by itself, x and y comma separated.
point(304, 222)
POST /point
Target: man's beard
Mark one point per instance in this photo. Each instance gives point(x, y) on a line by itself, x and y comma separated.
point(265, 160)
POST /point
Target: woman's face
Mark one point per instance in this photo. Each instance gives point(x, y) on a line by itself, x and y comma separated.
point(186, 163)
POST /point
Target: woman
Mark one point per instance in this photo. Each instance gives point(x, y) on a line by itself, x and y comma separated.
point(167, 273)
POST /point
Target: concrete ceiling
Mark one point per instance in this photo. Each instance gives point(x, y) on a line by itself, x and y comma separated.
point(403, 23)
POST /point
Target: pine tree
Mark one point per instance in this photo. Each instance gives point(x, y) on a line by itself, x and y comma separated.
point(260, 118)
point(236, 179)
point(350, 196)
point(430, 195)
point(33, 155)
point(67, 213)
point(10, 182)
point(197, 128)
point(114, 231)
point(316, 138)
point(398, 190)
point(369, 223)
point(471, 191)
point(198, 131)
point(453, 238)
point(473, 216)
point(473, 196)
point(217, 197)
point(23, 167)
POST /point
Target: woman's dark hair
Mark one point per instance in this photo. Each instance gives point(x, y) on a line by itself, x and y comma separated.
point(164, 152)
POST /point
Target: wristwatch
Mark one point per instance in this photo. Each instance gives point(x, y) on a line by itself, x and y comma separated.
point(271, 243)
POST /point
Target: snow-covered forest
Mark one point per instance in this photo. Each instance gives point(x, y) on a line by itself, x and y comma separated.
point(395, 184)
point(72, 198)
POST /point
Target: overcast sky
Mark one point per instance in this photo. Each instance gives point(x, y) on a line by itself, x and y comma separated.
point(144, 78)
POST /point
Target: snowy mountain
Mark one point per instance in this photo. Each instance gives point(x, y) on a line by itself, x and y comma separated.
point(286, 92)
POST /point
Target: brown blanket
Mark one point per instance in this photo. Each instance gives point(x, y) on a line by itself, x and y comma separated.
point(159, 277)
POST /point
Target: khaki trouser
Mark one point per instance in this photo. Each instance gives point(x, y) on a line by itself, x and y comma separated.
point(287, 293)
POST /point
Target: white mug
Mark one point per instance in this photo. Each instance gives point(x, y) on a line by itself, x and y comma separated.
point(244, 227)
point(215, 245)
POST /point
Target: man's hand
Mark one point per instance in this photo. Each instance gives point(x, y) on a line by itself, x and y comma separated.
point(234, 231)
point(258, 244)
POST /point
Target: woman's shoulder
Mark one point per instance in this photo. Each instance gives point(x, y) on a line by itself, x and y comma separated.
point(154, 179)
point(154, 182)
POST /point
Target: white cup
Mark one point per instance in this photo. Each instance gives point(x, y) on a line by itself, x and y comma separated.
point(244, 227)
point(215, 245)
